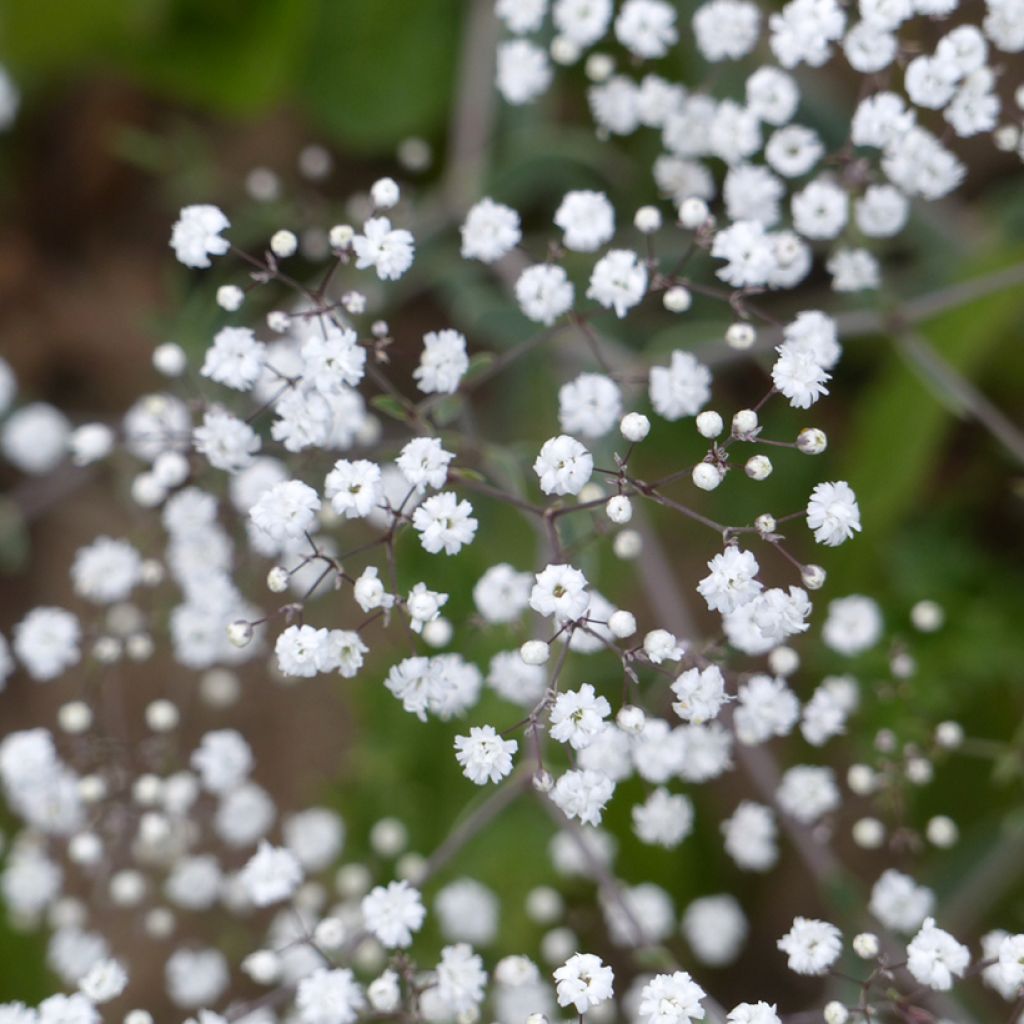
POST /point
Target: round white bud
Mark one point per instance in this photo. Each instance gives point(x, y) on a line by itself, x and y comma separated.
point(277, 579)
point(811, 441)
point(92, 788)
point(90, 442)
point(710, 424)
point(341, 235)
point(635, 426)
point(107, 650)
point(127, 888)
point(740, 336)
point(813, 577)
point(152, 573)
point(75, 717)
point(590, 492)
point(240, 633)
point(707, 476)
point(744, 423)
point(927, 616)
point(139, 647)
point(677, 299)
point(765, 524)
point(169, 359)
point(147, 491)
point(783, 661)
point(219, 688)
point(170, 469)
point(866, 945)
point(278, 321)
point(558, 945)
point(147, 790)
point(836, 1013)
point(599, 67)
point(627, 545)
point(284, 244)
point(622, 624)
point(411, 867)
point(631, 719)
point(693, 213)
point(619, 509)
point(388, 837)
point(868, 833)
point(902, 665)
point(942, 831)
point(542, 781)
point(544, 905)
point(138, 1017)
point(949, 735)
point(230, 297)
point(919, 771)
point(85, 848)
point(1006, 137)
point(861, 779)
point(647, 220)
point(438, 632)
point(330, 933)
point(154, 828)
point(564, 51)
point(535, 652)
point(385, 193)
point(162, 716)
point(353, 880)
point(758, 467)
point(536, 1018)
point(263, 966)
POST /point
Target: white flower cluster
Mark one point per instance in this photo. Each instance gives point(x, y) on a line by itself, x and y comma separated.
point(292, 515)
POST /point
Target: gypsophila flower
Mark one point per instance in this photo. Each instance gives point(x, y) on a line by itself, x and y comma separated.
point(812, 946)
point(753, 1013)
point(353, 488)
point(272, 874)
point(46, 642)
point(899, 902)
point(618, 281)
point(833, 513)
point(807, 792)
point(564, 465)
point(700, 694)
point(587, 220)
point(392, 913)
point(560, 590)
point(424, 462)
point(484, 755)
point(732, 581)
point(853, 625)
point(680, 389)
point(227, 442)
point(106, 571)
point(578, 716)
point(583, 795)
point(523, 71)
point(444, 523)
point(442, 363)
point(544, 292)
point(750, 837)
point(590, 405)
point(286, 511)
point(935, 958)
point(104, 981)
point(195, 236)
point(583, 981)
point(726, 29)
point(235, 359)
point(328, 997)
point(664, 819)
point(388, 250)
point(671, 999)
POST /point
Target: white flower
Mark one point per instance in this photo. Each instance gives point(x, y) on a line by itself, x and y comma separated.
point(484, 755)
point(750, 837)
point(578, 716)
point(853, 625)
point(332, 358)
point(544, 292)
point(680, 389)
point(564, 465)
point(583, 22)
point(935, 958)
point(46, 642)
point(105, 980)
point(195, 236)
point(583, 982)
point(726, 29)
point(700, 694)
point(753, 1013)
point(587, 220)
point(369, 591)
point(767, 707)
point(812, 946)
point(618, 281)
point(353, 488)
point(287, 511)
point(806, 792)
point(583, 794)
point(460, 979)
point(732, 581)
point(388, 250)
point(35, 438)
point(62, 1009)
point(328, 997)
point(671, 999)
point(1011, 962)
point(833, 513)
point(502, 593)
point(489, 231)
point(442, 362)
point(523, 71)
point(560, 590)
point(660, 645)
point(393, 913)
point(748, 252)
point(589, 405)
point(272, 874)
point(899, 902)
point(665, 818)
point(647, 28)
point(444, 523)
point(223, 760)
point(227, 442)
point(235, 359)
point(715, 928)
point(521, 16)
point(106, 571)
point(424, 462)
point(820, 210)
point(799, 376)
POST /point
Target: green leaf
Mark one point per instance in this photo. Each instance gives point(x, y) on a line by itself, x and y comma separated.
point(389, 406)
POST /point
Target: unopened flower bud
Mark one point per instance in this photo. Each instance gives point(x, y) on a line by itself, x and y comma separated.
point(693, 212)
point(619, 509)
point(707, 476)
point(535, 652)
point(622, 624)
point(866, 945)
point(635, 426)
point(813, 577)
point(710, 424)
point(647, 220)
point(677, 299)
point(744, 423)
point(284, 244)
point(740, 336)
point(277, 579)
point(631, 719)
point(765, 523)
point(811, 441)
point(758, 467)
point(240, 633)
